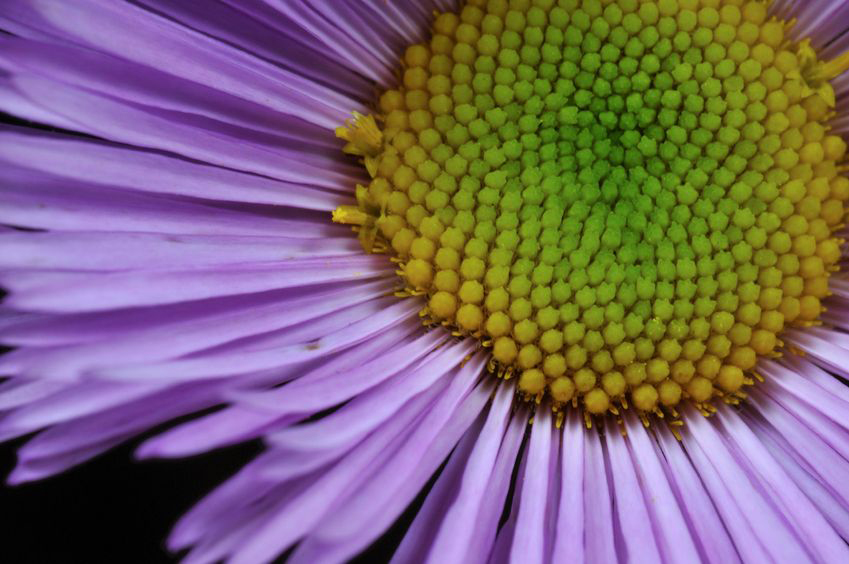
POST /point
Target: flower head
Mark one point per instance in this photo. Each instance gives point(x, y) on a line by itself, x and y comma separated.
point(614, 196)
point(594, 289)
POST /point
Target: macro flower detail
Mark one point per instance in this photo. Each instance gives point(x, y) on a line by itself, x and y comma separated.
point(627, 200)
point(592, 310)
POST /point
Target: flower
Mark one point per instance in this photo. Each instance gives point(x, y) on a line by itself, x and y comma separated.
point(172, 250)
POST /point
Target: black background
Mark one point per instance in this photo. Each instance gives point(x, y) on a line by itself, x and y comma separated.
point(114, 510)
point(111, 509)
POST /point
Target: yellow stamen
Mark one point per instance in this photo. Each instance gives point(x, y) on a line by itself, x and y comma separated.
point(835, 67)
point(362, 134)
point(351, 215)
point(817, 74)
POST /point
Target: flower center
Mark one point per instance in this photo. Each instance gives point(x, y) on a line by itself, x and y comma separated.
point(627, 200)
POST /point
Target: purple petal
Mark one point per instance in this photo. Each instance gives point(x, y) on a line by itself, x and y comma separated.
point(569, 531)
point(141, 251)
point(635, 524)
point(814, 531)
point(29, 199)
point(110, 165)
point(63, 291)
point(370, 409)
point(154, 128)
point(295, 518)
point(735, 492)
point(671, 533)
point(821, 491)
point(693, 492)
point(321, 388)
point(598, 501)
point(164, 44)
point(372, 508)
point(530, 543)
point(315, 340)
point(452, 541)
point(210, 327)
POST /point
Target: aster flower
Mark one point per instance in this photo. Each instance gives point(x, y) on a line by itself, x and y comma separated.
point(621, 223)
